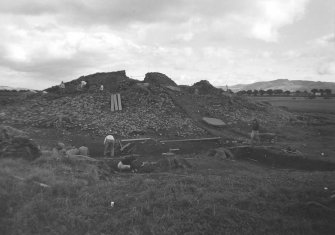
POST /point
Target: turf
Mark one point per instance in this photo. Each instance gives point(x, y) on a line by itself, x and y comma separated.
point(301, 104)
point(213, 197)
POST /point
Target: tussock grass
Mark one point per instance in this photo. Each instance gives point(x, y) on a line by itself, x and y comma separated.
point(223, 197)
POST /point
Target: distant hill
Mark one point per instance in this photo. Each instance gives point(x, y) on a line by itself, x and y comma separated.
point(284, 84)
point(8, 88)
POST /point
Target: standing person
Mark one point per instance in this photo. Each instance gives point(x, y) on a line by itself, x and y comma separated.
point(83, 84)
point(254, 132)
point(109, 143)
point(101, 88)
point(62, 87)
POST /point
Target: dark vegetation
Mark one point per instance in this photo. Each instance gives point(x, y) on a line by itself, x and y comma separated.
point(214, 197)
point(279, 92)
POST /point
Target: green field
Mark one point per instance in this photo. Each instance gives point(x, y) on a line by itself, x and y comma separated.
point(301, 104)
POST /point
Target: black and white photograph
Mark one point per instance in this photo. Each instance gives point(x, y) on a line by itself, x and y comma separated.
point(167, 117)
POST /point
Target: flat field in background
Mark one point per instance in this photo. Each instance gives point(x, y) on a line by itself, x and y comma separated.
point(301, 104)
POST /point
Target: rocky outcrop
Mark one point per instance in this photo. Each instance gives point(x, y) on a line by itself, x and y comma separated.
point(159, 79)
point(204, 87)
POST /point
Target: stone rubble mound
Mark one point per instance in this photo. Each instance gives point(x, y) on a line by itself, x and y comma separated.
point(147, 110)
point(149, 107)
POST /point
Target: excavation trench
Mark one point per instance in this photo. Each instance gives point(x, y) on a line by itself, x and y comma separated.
point(276, 158)
point(272, 157)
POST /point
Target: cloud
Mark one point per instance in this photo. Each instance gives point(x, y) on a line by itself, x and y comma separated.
point(325, 40)
point(80, 12)
point(273, 15)
point(327, 68)
point(61, 51)
point(44, 40)
point(291, 54)
point(31, 7)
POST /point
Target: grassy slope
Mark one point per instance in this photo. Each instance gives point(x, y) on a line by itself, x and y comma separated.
point(214, 197)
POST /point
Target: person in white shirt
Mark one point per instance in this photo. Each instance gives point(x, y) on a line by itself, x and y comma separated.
point(83, 84)
point(109, 145)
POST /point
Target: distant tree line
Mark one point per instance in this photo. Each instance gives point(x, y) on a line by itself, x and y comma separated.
point(280, 92)
point(9, 91)
point(269, 92)
point(321, 92)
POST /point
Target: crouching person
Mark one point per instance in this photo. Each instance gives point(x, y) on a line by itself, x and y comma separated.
point(126, 163)
point(109, 143)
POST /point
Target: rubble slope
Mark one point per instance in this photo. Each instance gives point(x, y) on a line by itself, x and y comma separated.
point(150, 108)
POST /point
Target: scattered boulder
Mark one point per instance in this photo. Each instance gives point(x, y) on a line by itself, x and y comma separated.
point(213, 121)
point(83, 150)
point(60, 146)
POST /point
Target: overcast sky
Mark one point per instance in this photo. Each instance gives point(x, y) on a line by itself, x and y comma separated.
point(224, 41)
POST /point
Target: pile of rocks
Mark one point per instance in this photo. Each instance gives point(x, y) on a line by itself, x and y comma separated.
point(14, 144)
point(150, 114)
point(147, 107)
point(159, 79)
point(111, 81)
